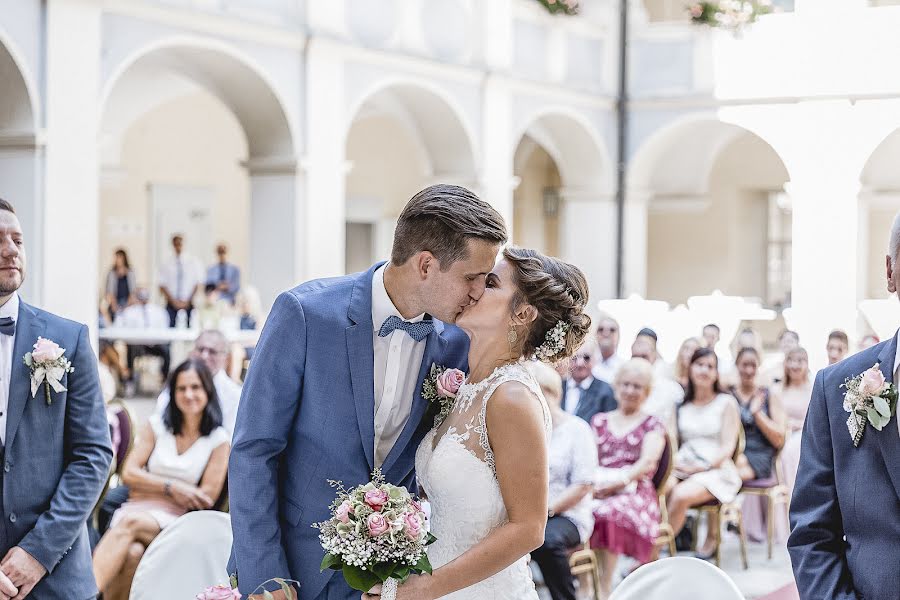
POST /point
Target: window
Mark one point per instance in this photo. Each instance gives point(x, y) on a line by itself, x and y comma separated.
point(778, 279)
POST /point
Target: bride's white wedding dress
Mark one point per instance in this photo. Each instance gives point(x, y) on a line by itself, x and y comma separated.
point(458, 475)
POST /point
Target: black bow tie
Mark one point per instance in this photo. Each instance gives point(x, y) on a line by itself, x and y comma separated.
point(7, 326)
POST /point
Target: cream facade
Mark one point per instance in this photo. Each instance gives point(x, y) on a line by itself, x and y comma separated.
point(295, 131)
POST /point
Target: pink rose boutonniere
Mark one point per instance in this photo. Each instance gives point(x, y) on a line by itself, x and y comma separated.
point(48, 365)
point(869, 397)
point(442, 385)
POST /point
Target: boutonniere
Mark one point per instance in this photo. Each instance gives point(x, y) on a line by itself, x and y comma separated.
point(868, 398)
point(48, 366)
point(441, 385)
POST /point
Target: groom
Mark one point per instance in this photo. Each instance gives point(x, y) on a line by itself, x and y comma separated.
point(334, 389)
point(845, 511)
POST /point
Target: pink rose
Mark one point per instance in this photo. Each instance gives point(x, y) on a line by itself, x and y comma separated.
point(415, 504)
point(45, 349)
point(376, 498)
point(448, 383)
point(377, 524)
point(219, 592)
point(412, 525)
point(872, 383)
point(344, 511)
point(696, 11)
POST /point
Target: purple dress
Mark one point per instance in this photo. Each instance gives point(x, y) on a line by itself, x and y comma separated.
point(626, 523)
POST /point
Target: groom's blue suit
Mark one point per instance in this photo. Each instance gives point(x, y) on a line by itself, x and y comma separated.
point(307, 415)
point(845, 511)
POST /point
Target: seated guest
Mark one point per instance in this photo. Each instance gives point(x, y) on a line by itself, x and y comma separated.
point(837, 347)
point(111, 376)
point(666, 394)
point(762, 418)
point(573, 461)
point(608, 359)
point(583, 395)
point(708, 427)
point(145, 315)
point(764, 424)
point(224, 276)
point(178, 464)
point(629, 445)
point(211, 348)
point(794, 392)
point(683, 360)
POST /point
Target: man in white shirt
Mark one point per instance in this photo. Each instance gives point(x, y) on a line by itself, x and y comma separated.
point(179, 280)
point(666, 394)
point(608, 360)
point(145, 315)
point(211, 347)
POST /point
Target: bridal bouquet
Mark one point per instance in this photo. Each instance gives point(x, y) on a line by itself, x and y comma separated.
point(376, 532)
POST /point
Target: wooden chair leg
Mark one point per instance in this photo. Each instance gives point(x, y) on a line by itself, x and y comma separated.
point(716, 516)
point(770, 524)
point(743, 536)
point(673, 551)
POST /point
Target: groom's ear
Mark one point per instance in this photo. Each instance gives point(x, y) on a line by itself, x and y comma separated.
point(891, 285)
point(425, 261)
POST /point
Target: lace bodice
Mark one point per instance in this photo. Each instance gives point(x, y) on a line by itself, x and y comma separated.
point(456, 470)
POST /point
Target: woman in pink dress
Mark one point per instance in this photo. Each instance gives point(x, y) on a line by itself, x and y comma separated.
point(794, 392)
point(630, 443)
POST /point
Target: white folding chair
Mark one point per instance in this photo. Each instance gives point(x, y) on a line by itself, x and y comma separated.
point(188, 556)
point(678, 578)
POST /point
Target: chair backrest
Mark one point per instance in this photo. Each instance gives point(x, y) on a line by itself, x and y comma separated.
point(678, 578)
point(188, 556)
point(127, 432)
point(665, 465)
point(741, 444)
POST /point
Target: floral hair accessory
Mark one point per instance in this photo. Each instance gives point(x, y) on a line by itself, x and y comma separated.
point(554, 342)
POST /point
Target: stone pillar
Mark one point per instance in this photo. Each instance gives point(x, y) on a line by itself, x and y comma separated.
point(587, 239)
point(20, 172)
point(70, 237)
point(637, 205)
point(497, 179)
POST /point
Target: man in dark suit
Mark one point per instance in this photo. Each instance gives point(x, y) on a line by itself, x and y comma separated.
point(55, 451)
point(583, 395)
point(845, 510)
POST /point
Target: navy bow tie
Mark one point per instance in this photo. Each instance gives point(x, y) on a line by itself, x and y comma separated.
point(7, 326)
point(417, 331)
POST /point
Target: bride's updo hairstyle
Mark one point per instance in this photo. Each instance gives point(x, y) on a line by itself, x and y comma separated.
point(559, 292)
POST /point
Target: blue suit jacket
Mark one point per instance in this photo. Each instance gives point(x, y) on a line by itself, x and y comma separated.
point(307, 415)
point(845, 511)
point(57, 459)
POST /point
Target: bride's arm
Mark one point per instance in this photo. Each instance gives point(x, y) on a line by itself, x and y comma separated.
point(516, 425)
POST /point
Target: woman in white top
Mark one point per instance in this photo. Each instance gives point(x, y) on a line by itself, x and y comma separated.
point(178, 464)
point(708, 427)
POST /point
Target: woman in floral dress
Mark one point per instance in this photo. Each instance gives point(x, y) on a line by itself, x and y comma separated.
point(630, 443)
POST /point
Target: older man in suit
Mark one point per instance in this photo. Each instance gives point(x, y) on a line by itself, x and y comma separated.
point(845, 510)
point(583, 395)
point(55, 451)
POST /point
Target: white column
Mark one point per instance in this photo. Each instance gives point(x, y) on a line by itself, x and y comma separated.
point(824, 263)
point(20, 172)
point(71, 221)
point(497, 179)
point(637, 204)
point(276, 241)
point(323, 219)
point(588, 239)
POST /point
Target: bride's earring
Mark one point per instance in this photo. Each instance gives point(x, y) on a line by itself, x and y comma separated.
point(512, 337)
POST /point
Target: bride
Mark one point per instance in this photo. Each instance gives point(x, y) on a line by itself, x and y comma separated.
point(484, 468)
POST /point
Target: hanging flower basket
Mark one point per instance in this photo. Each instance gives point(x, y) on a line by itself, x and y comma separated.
point(732, 15)
point(565, 7)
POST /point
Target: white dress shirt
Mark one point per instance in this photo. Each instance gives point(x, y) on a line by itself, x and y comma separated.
point(11, 310)
point(605, 369)
point(229, 394)
point(144, 316)
point(896, 375)
point(398, 359)
point(180, 275)
point(573, 393)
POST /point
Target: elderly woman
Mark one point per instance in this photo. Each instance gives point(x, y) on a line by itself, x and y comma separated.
point(573, 461)
point(629, 444)
point(178, 464)
point(709, 425)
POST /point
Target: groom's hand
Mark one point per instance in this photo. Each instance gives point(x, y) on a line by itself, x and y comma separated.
point(23, 570)
point(7, 589)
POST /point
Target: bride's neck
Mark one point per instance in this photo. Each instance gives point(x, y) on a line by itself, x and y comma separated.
point(485, 355)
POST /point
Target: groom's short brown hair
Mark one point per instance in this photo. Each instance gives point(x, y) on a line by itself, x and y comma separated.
point(442, 219)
